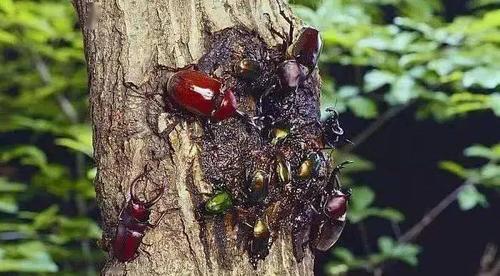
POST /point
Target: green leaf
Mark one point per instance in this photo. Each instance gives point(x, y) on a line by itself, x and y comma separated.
point(488, 78)
point(454, 168)
point(362, 197)
point(389, 214)
point(402, 91)
point(335, 268)
point(470, 197)
point(391, 249)
point(494, 103)
point(386, 245)
point(343, 254)
point(27, 257)
point(92, 173)
point(46, 218)
point(479, 151)
point(363, 107)
point(7, 6)
point(7, 38)
point(376, 78)
point(76, 145)
point(347, 91)
point(8, 186)
point(490, 174)
point(8, 204)
point(27, 155)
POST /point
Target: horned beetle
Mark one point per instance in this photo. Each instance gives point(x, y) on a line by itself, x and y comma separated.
point(133, 222)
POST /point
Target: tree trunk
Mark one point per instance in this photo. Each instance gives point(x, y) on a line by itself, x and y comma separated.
point(130, 46)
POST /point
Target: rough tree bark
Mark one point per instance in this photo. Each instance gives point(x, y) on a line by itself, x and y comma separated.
point(126, 44)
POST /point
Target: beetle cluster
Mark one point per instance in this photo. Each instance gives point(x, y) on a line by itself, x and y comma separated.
point(272, 177)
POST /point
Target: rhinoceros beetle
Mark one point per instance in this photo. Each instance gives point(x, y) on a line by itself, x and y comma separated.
point(205, 96)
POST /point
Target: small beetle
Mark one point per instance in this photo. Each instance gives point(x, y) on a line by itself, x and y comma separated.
point(305, 52)
point(205, 96)
point(247, 69)
point(278, 134)
point(219, 203)
point(132, 224)
point(290, 74)
point(258, 185)
point(310, 166)
point(283, 170)
point(260, 241)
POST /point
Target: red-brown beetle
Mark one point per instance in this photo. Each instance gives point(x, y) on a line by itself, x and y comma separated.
point(203, 95)
point(132, 224)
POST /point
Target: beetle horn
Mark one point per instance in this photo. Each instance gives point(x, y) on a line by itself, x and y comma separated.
point(157, 197)
point(132, 188)
point(133, 196)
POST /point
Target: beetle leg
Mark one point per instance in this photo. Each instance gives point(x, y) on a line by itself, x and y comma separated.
point(248, 120)
point(342, 166)
point(260, 101)
point(207, 129)
point(155, 224)
point(314, 209)
point(144, 251)
point(274, 32)
point(290, 31)
point(157, 197)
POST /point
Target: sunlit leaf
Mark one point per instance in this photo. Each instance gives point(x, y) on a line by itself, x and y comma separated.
point(9, 186)
point(470, 197)
point(376, 79)
point(8, 204)
point(27, 155)
point(485, 77)
point(27, 257)
point(363, 107)
point(362, 197)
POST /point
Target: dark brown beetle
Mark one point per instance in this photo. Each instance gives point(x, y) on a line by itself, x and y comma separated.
point(331, 226)
point(260, 242)
point(305, 52)
point(332, 128)
point(132, 224)
point(307, 48)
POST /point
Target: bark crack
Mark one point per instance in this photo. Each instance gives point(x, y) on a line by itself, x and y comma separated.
point(191, 249)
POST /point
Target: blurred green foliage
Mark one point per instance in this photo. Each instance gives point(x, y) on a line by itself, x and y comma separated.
point(392, 54)
point(47, 209)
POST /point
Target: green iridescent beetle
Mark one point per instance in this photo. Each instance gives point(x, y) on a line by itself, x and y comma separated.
point(219, 203)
